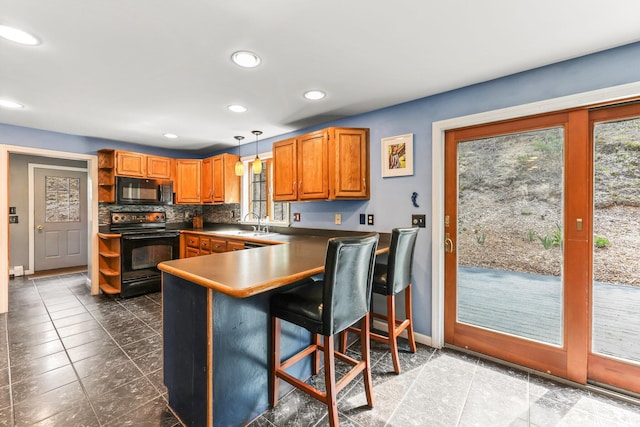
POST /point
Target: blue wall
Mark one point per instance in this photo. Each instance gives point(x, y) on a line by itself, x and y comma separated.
point(390, 197)
point(42, 139)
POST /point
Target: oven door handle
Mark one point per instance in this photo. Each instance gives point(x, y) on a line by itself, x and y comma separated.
point(150, 236)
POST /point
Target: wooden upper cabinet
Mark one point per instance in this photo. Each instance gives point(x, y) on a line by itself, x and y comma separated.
point(159, 167)
point(285, 167)
point(143, 166)
point(328, 164)
point(349, 163)
point(218, 178)
point(313, 167)
point(220, 184)
point(207, 180)
point(131, 164)
point(188, 178)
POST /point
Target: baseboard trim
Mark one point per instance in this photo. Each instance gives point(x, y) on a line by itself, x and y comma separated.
point(420, 338)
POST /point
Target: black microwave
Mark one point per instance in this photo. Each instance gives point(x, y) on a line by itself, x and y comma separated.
point(140, 191)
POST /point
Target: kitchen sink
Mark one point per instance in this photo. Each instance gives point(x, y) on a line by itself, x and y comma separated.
point(246, 233)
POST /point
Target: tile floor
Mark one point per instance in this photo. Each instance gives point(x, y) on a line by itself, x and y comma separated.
point(71, 359)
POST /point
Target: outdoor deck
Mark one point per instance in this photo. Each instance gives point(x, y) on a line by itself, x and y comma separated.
point(530, 306)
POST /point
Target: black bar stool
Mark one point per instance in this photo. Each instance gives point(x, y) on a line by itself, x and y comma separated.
point(327, 307)
point(392, 275)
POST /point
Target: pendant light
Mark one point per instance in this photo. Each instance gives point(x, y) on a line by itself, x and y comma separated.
point(256, 166)
point(239, 164)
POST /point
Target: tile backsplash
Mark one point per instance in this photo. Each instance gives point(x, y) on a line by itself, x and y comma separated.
point(225, 213)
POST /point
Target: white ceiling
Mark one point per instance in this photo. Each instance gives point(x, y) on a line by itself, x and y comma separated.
point(131, 70)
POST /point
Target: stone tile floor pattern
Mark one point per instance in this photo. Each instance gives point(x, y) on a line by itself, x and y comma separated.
point(71, 359)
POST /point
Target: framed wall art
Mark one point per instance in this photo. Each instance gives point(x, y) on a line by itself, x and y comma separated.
point(397, 155)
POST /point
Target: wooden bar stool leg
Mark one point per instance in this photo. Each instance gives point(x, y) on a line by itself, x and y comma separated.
point(330, 381)
point(275, 360)
point(366, 357)
point(408, 309)
point(343, 341)
point(391, 328)
point(316, 354)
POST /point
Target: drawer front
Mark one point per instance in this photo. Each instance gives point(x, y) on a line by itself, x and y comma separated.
point(205, 244)
point(192, 241)
point(235, 246)
point(218, 245)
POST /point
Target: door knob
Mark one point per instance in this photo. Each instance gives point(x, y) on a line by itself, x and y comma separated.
point(40, 227)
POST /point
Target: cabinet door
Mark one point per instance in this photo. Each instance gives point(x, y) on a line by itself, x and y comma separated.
point(131, 164)
point(218, 179)
point(188, 181)
point(349, 163)
point(159, 167)
point(313, 166)
point(285, 166)
point(207, 180)
point(191, 252)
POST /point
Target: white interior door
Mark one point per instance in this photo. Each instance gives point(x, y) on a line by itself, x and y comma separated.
point(60, 218)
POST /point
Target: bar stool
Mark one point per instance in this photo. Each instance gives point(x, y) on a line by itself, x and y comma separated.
point(327, 307)
point(392, 275)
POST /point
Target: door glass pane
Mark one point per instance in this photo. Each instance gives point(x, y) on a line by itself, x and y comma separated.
point(510, 231)
point(616, 240)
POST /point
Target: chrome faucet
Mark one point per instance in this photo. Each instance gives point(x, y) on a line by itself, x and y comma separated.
point(259, 228)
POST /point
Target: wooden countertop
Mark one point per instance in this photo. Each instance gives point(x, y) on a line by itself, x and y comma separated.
point(241, 274)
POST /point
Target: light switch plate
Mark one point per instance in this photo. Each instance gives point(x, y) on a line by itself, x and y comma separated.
point(296, 217)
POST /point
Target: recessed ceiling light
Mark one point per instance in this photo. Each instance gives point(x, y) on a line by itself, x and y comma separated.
point(10, 104)
point(246, 59)
point(18, 36)
point(236, 108)
point(170, 135)
point(314, 94)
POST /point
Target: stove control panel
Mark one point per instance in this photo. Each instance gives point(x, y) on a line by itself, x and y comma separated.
point(122, 218)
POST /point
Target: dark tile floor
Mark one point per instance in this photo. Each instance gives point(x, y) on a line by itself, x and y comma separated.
point(71, 359)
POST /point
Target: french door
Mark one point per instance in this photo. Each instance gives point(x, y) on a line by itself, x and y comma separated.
point(534, 258)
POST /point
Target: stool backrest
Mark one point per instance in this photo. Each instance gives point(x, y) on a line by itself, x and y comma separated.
point(348, 275)
point(400, 261)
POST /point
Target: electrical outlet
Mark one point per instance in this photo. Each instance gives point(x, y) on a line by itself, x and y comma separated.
point(419, 220)
point(338, 219)
point(363, 219)
point(370, 219)
point(296, 217)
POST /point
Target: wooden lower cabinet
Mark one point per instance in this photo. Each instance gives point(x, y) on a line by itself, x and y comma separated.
point(196, 244)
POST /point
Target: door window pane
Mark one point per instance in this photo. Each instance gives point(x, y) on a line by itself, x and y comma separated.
point(616, 240)
point(510, 234)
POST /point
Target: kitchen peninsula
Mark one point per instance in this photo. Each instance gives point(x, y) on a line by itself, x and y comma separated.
point(216, 324)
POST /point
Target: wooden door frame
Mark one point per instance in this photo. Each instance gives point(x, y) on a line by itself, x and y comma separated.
point(569, 359)
point(92, 164)
point(438, 130)
point(32, 235)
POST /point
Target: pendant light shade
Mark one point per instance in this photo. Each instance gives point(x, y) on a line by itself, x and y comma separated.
point(256, 166)
point(239, 164)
